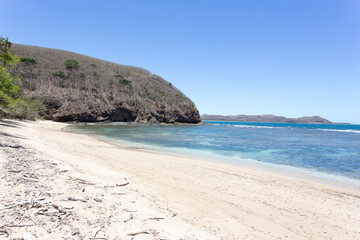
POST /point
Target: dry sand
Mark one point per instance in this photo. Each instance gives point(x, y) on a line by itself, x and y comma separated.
point(189, 198)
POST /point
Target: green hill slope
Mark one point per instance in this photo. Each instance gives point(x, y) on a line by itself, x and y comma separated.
point(91, 90)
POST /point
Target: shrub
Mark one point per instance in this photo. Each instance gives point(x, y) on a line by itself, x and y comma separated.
point(161, 92)
point(93, 65)
point(83, 86)
point(28, 60)
point(71, 65)
point(26, 108)
point(59, 74)
point(95, 74)
point(82, 76)
point(94, 90)
point(27, 84)
point(124, 82)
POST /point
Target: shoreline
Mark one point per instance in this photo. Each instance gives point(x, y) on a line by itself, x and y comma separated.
point(264, 167)
point(218, 201)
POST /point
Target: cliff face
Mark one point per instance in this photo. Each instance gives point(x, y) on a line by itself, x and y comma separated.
point(266, 118)
point(92, 90)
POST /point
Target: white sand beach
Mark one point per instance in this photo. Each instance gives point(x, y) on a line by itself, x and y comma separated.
point(168, 197)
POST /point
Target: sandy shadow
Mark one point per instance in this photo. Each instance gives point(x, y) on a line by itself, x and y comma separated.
point(10, 135)
point(9, 123)
point(10, 146)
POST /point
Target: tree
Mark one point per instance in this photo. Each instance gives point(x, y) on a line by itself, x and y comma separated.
point(10, 106)
point(71, 65)
point(8, 63)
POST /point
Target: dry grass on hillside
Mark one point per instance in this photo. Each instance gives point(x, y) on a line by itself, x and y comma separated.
point(108, 82)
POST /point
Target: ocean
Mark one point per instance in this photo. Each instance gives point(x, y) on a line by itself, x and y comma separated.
point(326, 152)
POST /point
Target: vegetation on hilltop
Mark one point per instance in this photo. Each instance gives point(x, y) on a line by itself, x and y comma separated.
point(75, 87)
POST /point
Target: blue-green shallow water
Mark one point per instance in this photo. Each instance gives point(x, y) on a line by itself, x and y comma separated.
point(320, 150)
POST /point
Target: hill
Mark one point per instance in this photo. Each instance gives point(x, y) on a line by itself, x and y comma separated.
point(75, 87)
point(266, 118)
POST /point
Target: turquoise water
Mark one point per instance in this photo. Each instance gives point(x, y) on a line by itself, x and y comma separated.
point(320, 150)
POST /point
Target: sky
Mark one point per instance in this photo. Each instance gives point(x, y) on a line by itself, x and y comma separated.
point(290, 58)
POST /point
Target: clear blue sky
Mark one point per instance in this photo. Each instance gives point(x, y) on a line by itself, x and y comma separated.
point(285, 57)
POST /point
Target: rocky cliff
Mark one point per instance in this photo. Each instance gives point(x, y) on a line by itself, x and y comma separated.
point(266, 118)
point(75, 87)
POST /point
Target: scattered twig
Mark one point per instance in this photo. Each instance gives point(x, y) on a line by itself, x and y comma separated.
point(15, 204)
point(137, 233)
point(156, 218)
point(131, 217)
point(18, 225)
point(96, 230)
point(30, 179)
point(73, 198)
point(82, 181)
point(124, 183)
point(130, 211)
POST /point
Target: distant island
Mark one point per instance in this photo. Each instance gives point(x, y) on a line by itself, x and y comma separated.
point(266, 118)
